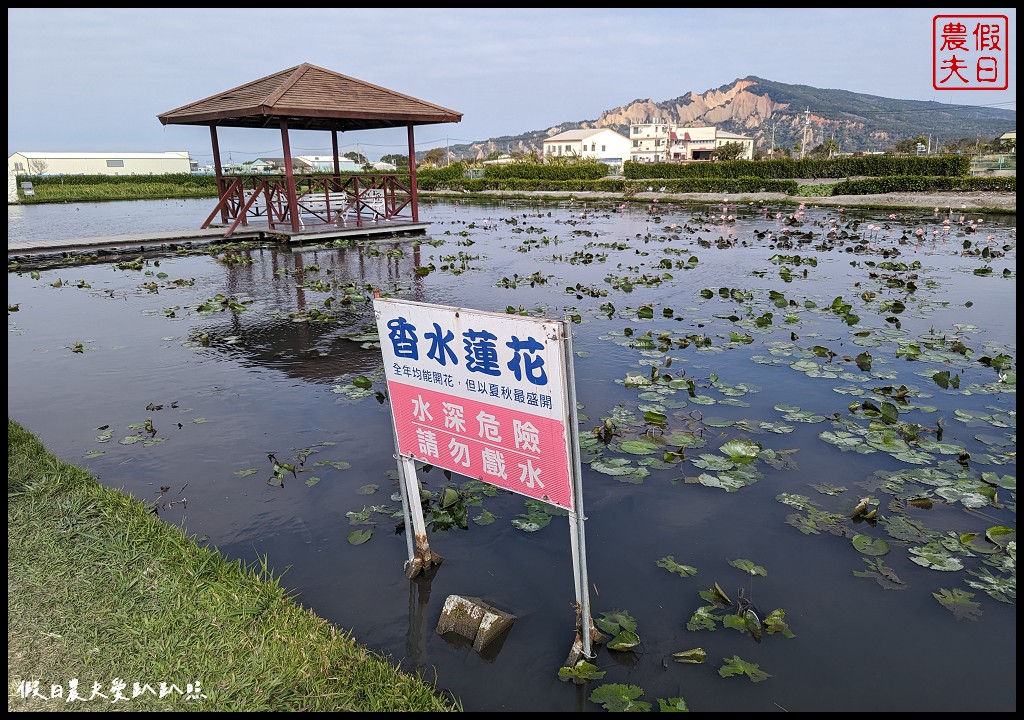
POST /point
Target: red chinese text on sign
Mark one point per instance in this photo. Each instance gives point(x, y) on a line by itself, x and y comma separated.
point(970, 52)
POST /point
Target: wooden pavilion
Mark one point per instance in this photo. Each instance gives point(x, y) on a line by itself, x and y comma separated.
point(307, 97)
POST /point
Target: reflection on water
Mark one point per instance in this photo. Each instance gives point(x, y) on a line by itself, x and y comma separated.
point(816, 335)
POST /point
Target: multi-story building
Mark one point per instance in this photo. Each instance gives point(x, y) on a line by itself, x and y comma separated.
point(668, 142)
point(649, 141)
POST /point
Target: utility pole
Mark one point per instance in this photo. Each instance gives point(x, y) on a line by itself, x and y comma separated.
point(803, 137)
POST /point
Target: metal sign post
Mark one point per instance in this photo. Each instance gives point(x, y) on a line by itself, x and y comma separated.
point(489, 396)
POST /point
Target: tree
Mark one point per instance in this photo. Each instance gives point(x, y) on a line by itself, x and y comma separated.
point(830, 147)
point(729, 151)
point(399, 161)
point(38, 167)
point(356, 157)
point(906, 146)
point(433, 157)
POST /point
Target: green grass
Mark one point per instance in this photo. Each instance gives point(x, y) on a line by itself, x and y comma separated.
point(100, 589)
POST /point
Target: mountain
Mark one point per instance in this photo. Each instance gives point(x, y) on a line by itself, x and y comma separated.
point(758, 107)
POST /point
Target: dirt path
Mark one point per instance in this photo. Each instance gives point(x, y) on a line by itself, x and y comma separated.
point(1004, 202)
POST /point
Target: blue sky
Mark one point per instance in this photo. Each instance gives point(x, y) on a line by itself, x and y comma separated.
point(95, 79)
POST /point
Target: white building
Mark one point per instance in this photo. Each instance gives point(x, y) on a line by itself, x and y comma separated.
point(667, 142)
point(85, 163)
point(325, 163)
point(649, 141)
point(601, 144)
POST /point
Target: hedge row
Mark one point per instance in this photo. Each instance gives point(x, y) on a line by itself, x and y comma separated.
point(451, 178)
point(870, 165)
point(181, 179)
point(610, 185)
point(917, 183)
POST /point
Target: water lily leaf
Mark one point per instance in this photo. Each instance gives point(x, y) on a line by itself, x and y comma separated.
point(535, 518)
point(723, 482)
point(934, 557)
point(943, 448)
point(959, 603)
point(639, 447)
point(312, 481)
point(362, 382)
point(749, 567)
point(870, 546)
point(674, 704)
point(486, 517)
point(703, 618)
point(968, 497)
point(92, 454)
point(670, 564)
point(1003, 589)
point(693, 656)
point(828, 488)
point(358, 537)
point(625, 640)
point(615, 622)
point(580, 672)
point(1002, 535)
point(1007, 482)
point(776, 427)
point(655, 417)
point(805, 366)
point(617, 697)
point(775, 624)
point(246, 472)
point(841, 439)
point(737, 666)
point(612, 466)
point(885, 576)
point(803, 523)
point(713, 462)
point(368, 489)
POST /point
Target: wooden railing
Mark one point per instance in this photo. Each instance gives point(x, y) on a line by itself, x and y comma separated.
point(321, 201)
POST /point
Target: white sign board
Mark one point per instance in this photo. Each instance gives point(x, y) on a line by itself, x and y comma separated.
point(481, 394)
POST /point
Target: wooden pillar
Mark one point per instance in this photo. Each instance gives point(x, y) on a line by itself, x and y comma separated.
point(218, 171)
point(337, 160)
point(289, 174)
point(415, 201)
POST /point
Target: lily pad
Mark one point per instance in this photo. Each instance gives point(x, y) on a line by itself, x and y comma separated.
point(867, 545)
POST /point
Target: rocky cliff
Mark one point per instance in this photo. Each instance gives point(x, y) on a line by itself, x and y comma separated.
point(765, 109)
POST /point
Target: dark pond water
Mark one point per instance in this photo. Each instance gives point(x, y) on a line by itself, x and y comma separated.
point(757, 371)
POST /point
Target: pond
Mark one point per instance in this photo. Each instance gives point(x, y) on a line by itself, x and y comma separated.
point(808, 410)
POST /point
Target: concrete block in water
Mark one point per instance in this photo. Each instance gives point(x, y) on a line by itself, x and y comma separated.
point(474, 620)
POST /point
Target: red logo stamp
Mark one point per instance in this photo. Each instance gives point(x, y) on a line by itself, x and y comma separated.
point(970, 52)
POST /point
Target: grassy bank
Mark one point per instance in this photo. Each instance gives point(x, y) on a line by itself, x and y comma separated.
point(100, 590)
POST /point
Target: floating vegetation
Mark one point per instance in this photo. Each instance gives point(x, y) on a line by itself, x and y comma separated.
point(622, 627)
point(616, 697)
